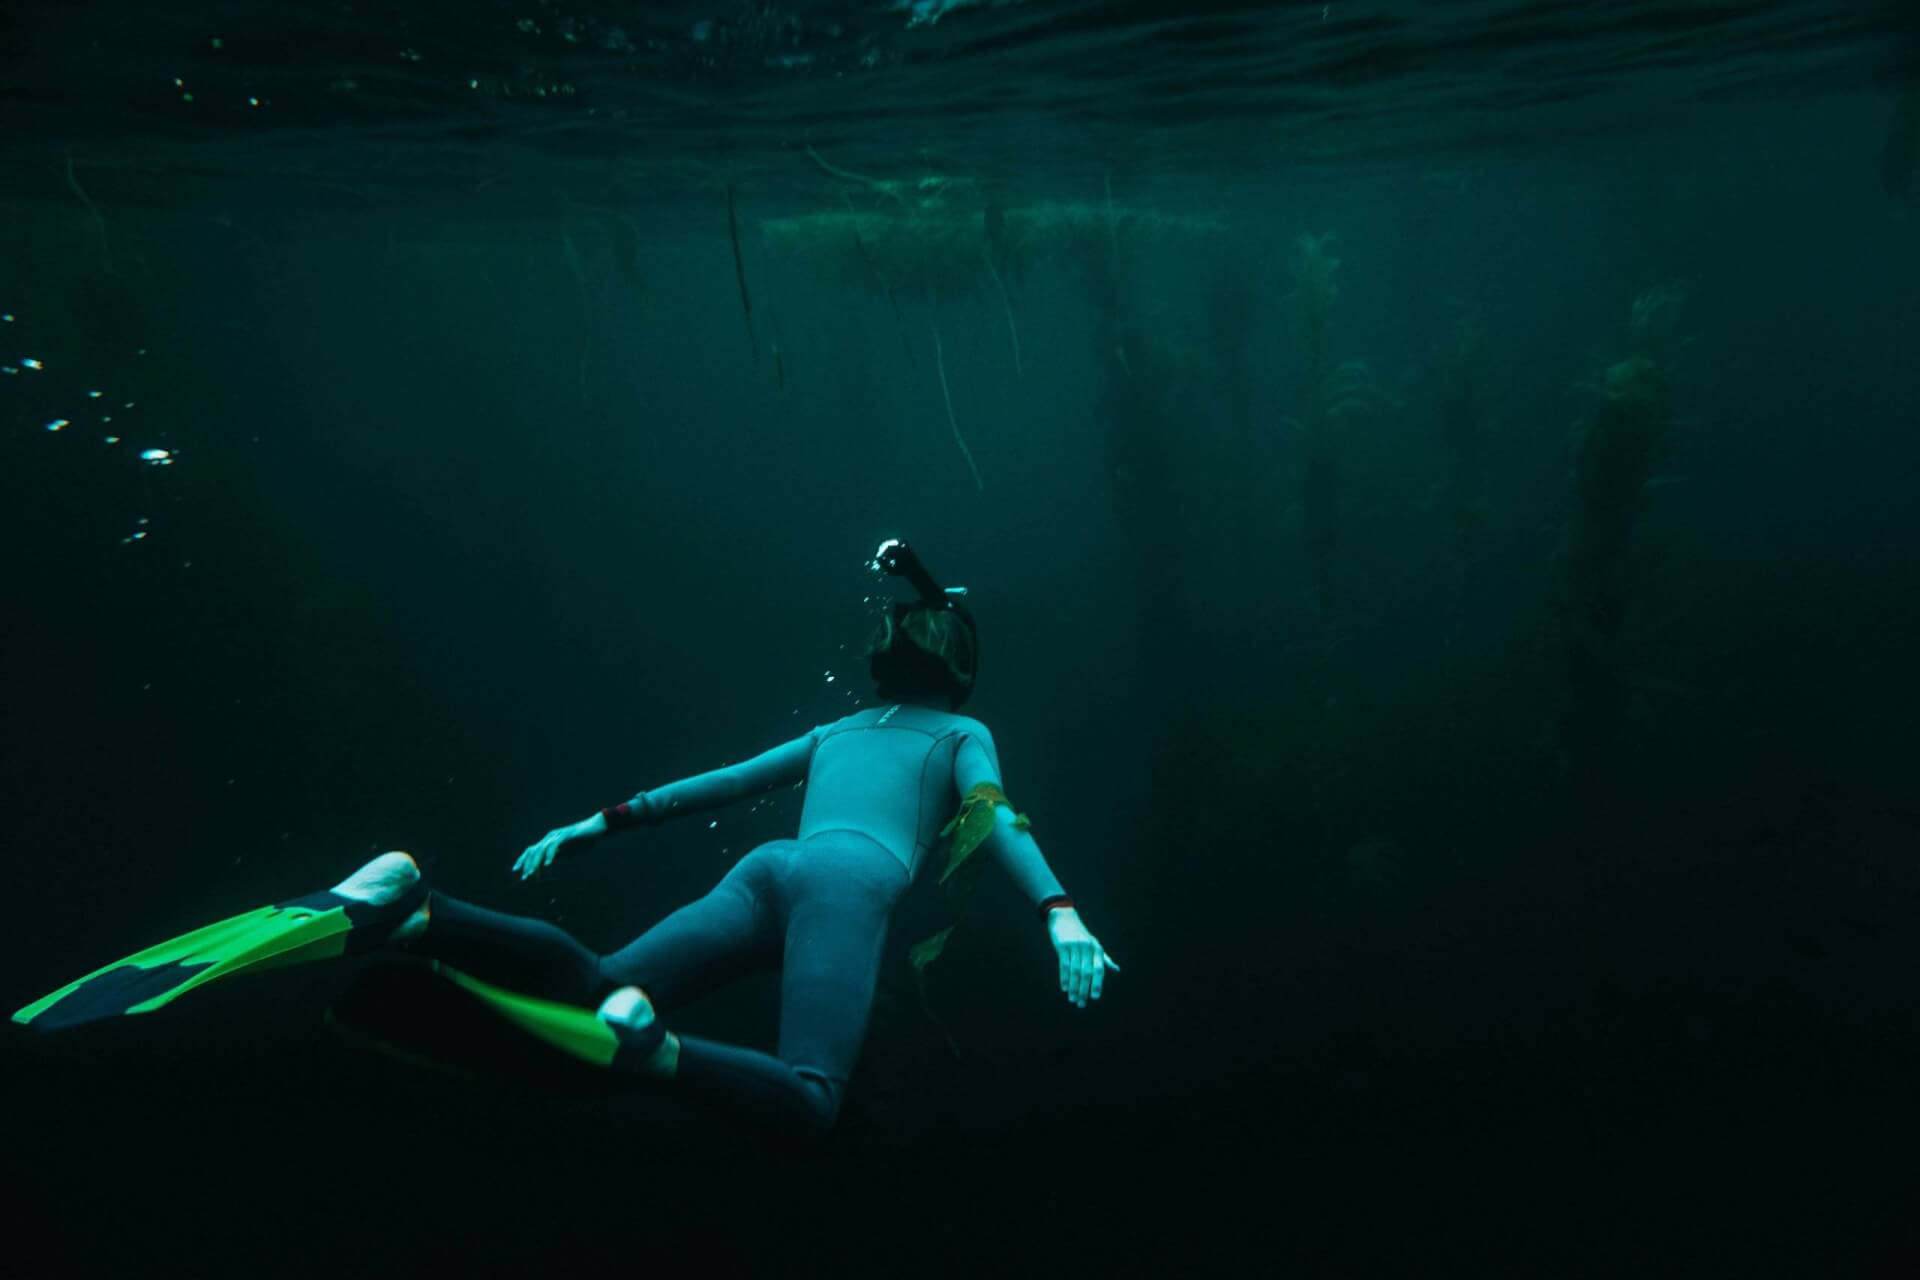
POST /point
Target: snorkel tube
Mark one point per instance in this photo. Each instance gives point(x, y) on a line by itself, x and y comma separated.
point(895, 557)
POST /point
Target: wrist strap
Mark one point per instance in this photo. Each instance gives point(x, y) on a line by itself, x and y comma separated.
point(1054, 903)
point(620, 816)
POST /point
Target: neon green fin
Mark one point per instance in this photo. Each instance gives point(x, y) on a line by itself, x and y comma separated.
point(162, 974)
point(569, 1028)
point(318, 926)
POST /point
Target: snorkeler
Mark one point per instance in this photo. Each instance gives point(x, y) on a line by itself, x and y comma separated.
point(885, 788)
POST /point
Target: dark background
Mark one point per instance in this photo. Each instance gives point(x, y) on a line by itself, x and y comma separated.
point(459, 545)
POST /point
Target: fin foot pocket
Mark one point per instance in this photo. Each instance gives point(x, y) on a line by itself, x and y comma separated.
point(381, 881)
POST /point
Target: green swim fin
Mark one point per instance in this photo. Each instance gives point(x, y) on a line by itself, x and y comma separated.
point(318, 926)
point(577, 1032)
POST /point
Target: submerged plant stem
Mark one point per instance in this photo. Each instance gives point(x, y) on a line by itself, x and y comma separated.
point(940, 359)
point(99, 223)
point(740, 272)
point(1013, 330)
point(586, 306)
point(849, 175)
point(1113, 235)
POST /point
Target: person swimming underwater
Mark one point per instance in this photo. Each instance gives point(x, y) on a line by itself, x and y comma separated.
point(885, 788)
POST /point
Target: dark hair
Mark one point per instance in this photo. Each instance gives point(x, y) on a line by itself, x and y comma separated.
point(925, 649)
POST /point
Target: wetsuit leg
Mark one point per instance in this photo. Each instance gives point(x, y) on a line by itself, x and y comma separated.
point(708, 942)
point(695, 949)
point(834, 896)
point(528, 955)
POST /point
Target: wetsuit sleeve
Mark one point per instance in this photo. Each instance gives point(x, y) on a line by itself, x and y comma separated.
point(975, 762)
point(780, 766)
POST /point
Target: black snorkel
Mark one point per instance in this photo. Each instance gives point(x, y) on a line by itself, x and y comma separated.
point(897, 558)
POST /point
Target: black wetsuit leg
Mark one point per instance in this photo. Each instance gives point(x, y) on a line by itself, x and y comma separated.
point(528, 955)
point(708, 942)
point(826, 901)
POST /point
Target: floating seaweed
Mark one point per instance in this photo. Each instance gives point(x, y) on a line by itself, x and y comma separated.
point(956, 251)
point(950, 237)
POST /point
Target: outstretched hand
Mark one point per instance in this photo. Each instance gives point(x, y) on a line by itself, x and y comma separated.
point(1083, 961)
point(540, 855)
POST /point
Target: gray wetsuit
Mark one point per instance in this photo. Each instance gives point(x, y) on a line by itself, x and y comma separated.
point(880, 784)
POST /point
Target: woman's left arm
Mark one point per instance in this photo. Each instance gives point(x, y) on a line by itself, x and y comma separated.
point(1083, 962)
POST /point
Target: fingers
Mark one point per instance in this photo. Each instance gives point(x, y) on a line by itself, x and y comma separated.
point(1083, 967)
point(529, 862)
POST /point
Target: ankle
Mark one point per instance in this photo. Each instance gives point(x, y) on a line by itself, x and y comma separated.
point(665, 1061)
point(413, 927)
point(632, 1015)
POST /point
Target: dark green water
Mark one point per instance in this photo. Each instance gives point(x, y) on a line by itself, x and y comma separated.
point(1492, 766)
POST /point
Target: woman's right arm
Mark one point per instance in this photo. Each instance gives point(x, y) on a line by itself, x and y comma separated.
point(779, 766)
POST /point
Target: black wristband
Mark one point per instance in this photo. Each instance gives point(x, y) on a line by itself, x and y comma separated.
point(1054, 903)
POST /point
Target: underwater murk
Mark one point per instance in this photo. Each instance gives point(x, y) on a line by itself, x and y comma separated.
point(1418, 503)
